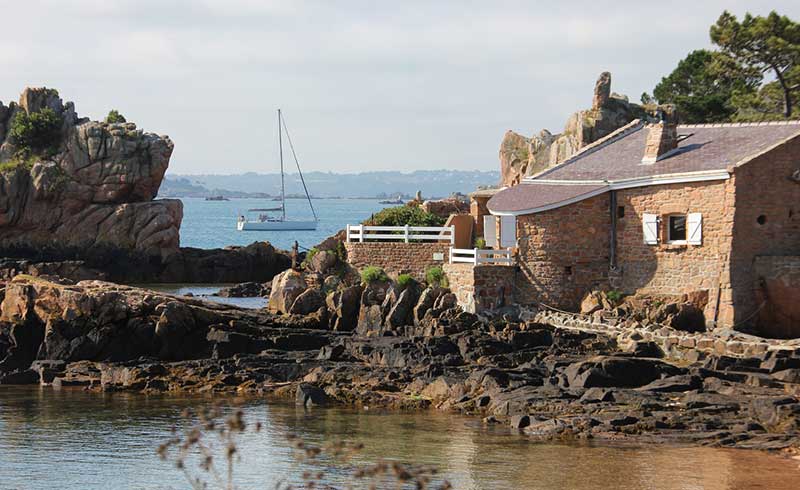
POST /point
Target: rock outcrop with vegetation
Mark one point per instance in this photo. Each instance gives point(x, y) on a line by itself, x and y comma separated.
point(70, 182)
point(521, 156)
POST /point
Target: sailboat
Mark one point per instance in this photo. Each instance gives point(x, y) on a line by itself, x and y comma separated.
point(261, 219)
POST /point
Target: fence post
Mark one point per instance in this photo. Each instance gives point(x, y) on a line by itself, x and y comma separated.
point(361, 233)
point(477, 257)
point(452, 234)
point(451, 255)
point(406, 230)
point(348, 233)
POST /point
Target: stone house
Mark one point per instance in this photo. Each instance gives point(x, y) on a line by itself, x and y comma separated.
point(710, 211)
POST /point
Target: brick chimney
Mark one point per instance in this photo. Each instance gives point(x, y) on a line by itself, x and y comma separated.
point(662, 136)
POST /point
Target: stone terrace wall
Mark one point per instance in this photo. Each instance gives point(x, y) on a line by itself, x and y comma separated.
point(397, 258)
point(481, 287)
point(563, 253)
point(678, 269)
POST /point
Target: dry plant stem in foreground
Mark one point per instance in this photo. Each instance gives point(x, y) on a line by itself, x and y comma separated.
point(212, 435)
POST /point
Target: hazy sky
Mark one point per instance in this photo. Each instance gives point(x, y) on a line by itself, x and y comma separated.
point(365, 85)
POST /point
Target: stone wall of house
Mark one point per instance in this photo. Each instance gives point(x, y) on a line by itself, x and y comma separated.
point(563, 253)
point(678, 269)
point(779, 291)
point(766, 224)
point(398, 258)
point(481, 287)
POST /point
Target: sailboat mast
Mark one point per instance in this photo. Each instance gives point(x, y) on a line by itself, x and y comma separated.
point(280, 150)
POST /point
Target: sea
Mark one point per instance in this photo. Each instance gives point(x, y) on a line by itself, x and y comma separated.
point(212, 224)
point(76, 439)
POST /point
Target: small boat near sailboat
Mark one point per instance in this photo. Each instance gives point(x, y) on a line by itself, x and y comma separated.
point(263, 219)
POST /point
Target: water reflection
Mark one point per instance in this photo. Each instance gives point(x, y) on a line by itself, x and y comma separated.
point(74, 439)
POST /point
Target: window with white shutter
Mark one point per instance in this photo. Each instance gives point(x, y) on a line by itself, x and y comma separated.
point(490, 230)
point(508, 231)
point(650, 228)
point(694, 227)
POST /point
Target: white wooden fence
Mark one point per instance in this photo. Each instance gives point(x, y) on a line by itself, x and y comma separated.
point(481, 256)
point(363, 233)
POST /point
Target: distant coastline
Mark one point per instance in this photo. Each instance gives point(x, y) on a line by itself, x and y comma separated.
point(328, 185)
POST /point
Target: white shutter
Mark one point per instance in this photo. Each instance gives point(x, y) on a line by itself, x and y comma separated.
point(490, 230)
point(694, 228)
point(650, 228)
point(508, 231)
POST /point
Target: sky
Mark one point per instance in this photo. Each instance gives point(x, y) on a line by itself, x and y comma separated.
point(364, 85)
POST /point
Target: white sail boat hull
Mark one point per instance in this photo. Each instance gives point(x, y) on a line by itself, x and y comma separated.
point(277, 225)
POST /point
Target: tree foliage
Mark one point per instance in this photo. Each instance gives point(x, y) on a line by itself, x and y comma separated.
point(753, 76)
point(770, 45)
point(36, 133)
point(702, 90)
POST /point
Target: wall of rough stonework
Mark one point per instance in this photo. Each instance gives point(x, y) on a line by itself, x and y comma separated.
point(779, 290)
point(397, 257)
point(563, 253)
point(481, 287)
point(445, 207)
point(766, 223)
point(677, 269)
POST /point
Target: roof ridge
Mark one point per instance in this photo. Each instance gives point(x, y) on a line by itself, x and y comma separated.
point(741, 124)
point(606, 140)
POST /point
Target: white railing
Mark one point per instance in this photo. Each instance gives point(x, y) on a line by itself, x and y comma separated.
point(363, 233)
point(481, 256)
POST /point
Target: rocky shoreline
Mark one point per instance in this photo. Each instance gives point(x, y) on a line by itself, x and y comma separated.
point(550, 381)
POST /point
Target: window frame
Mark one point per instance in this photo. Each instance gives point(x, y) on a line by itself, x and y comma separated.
point(668, 229)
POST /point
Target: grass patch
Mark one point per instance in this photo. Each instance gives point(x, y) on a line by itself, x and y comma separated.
point(19, 161)
point(435, 277)
point(372, 274)
point(404, 280)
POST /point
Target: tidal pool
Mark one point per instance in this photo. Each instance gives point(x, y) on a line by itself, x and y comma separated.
point(73, 439)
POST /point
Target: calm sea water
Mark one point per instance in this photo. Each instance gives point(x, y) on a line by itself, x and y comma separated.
point(71, 439)
point(212, 224)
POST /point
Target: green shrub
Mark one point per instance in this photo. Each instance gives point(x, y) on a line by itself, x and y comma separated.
point(614, 296)
point(115, 117)
point(309, 255)
point(404, 280)
point(36, 133)
point(371, 273)
point(435, 277)
point(404, 215)
point(480, 243)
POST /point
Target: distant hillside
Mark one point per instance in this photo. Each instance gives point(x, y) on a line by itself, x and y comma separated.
point(432, 183)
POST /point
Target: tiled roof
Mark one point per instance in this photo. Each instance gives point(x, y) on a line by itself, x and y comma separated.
point(530, 195)
point(704, 150)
